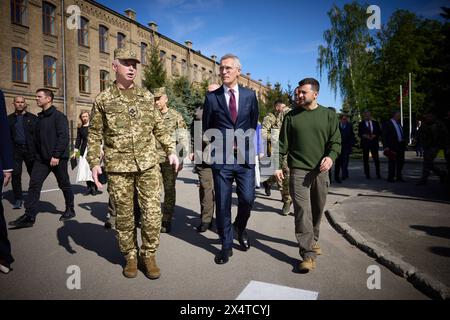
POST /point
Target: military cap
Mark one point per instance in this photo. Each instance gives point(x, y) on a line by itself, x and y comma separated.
point(124, 53)
point(159, 92)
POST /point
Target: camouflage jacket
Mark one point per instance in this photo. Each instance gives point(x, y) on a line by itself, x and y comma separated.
point(127, 127)
point(272, 123)
point(433, 135)
point(173, 120)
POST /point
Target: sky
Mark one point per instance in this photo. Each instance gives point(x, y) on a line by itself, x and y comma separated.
point(276, 40)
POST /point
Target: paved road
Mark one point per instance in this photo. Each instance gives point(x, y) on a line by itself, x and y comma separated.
point(43, 253)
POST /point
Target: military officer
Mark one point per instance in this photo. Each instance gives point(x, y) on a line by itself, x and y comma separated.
point(270, 130)
point(124, 117)
point(175, 125)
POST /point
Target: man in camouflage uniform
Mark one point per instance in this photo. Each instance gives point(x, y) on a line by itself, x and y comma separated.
point(433, 136)
point(270, 131)
point(175, 125)
point(124, 117)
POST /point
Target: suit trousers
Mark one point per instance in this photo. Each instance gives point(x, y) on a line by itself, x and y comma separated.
point(373, 149)
point(395, 167)
point(309, 191)
point(206, 193)
point(224, 176)
point(21, 155)
point(39, 173)
point(5, 245)
point(341, 163)
point(169, 178)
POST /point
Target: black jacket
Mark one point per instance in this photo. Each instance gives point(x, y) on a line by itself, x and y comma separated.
point(52, 135)
point(29, 124)
point(82, 136)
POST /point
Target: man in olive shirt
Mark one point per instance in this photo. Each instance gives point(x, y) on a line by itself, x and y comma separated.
point(311, 140)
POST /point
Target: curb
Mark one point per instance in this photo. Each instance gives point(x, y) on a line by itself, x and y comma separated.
point(422, 281)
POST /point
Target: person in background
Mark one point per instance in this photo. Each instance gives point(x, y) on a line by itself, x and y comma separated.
point(369, 131)
point(394, 143)
point(347, 142)
point(22, 125)
point(84, 173)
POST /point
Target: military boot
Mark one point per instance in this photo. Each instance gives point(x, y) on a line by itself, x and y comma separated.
point(286, 208)
point(130, 270)
point(150, 268)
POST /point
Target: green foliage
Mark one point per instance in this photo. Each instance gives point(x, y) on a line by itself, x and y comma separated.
point(155, 75)
point(368, 71)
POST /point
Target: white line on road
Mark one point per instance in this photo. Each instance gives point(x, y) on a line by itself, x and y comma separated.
point(257, 290)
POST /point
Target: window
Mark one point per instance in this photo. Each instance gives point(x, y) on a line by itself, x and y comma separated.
point(120, 40)
point(104, 79)
point(83, 32)
point(83, 78)
point(184, 70)
point(195, 72)
point(103, 39)
point(174, 65)
point(162, 54)
point(48, 18)
point(19, 12)
point(143, 53)
point(203, 75)
point(49, 71)
point(19, 65)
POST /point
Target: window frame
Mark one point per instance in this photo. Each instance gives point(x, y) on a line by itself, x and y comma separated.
point(84, 85)
point(48, 25)
point(83, 32)
point(53, 71)
point(23, 14)
point(19, 66)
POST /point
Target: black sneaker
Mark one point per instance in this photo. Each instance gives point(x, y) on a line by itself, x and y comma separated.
point(23, 221)
point(68, 214)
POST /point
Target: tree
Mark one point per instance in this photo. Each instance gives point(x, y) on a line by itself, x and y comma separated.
point(273, 94)
point(155, 75)
point(348, 54)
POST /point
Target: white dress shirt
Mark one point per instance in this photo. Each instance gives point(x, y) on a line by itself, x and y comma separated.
point(398, 130)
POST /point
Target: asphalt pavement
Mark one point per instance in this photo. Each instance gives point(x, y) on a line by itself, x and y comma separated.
point(50, 254)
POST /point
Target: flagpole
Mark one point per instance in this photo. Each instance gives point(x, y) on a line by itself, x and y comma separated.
point(401, 105)
point(410, 102)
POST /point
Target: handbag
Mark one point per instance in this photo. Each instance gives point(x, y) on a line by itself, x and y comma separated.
point(103, 177)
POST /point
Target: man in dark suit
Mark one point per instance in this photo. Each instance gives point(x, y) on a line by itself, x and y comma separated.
point(22, 126)
point(347, 142)
point(394, 144)
point(369, 132)
point(6, 167)
point(230, 113)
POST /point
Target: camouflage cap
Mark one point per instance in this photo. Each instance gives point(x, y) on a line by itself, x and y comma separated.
point(159, 92)
point(124, 53)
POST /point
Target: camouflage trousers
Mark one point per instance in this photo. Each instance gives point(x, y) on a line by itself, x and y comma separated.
point(283, 187)
point(121, 189)
point(168, 179)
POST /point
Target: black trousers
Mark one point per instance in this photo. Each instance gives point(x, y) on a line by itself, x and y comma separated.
point(373, 149)
point(395, 167)
point(5, 245)
point(38, 175)
point(21, 155)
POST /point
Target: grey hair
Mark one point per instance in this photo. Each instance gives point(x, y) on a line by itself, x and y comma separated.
point(237, 62)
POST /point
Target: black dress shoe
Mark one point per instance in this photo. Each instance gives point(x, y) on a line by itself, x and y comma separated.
point(18, 204)
point(23, 221)
point(68, 214)
point(267, 189)
point(223, 256)
point(242, 238)
point(203, 227)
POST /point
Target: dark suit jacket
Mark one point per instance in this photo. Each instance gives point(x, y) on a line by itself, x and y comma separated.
point(363, 129)
point(390, 139)
point(216, 115)
point(6, 158)
point(347, 138)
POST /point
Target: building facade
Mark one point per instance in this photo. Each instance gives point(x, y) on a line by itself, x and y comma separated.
point(67, 46)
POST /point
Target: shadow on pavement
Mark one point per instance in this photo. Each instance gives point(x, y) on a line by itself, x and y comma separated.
point(98, 210)
point(91, 237)
point(442, 232)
